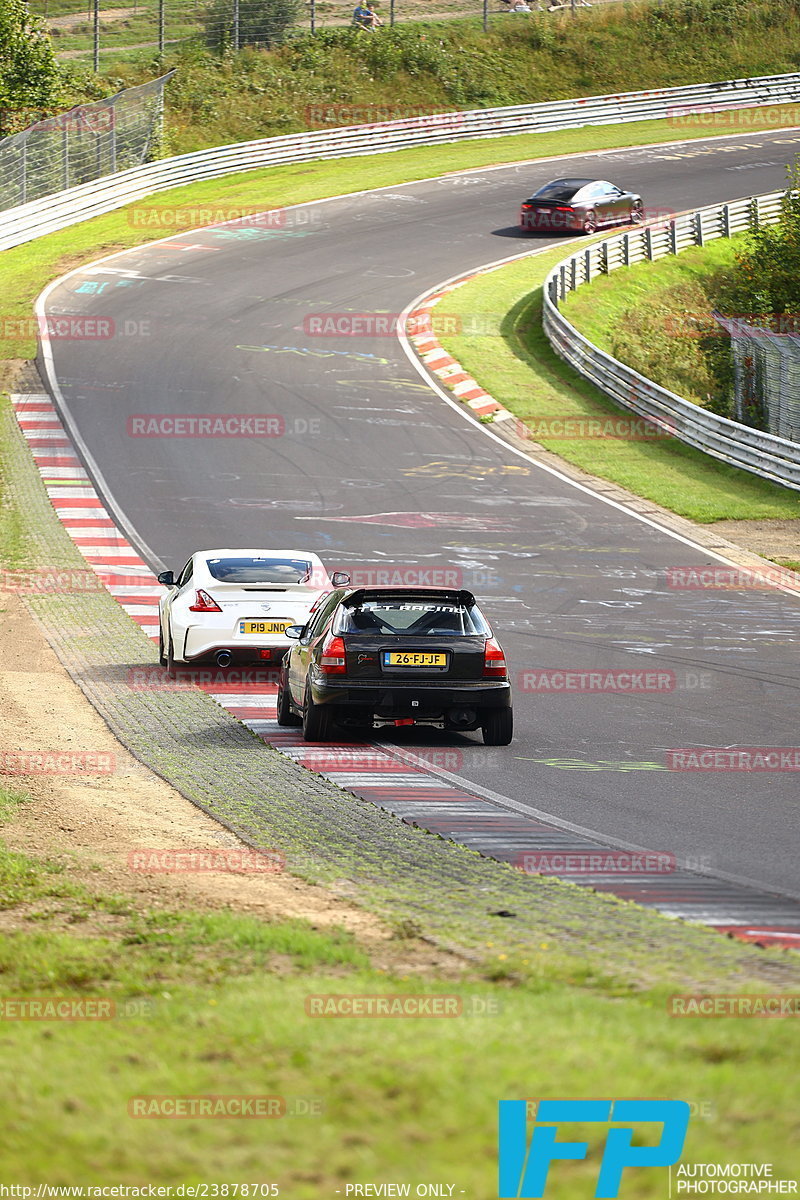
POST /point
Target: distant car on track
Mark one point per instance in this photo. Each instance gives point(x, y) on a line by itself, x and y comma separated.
point(235, 605)
point(374, 656)
point(581, 205)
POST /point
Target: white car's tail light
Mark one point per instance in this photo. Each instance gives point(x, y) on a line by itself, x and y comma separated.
point(204, 603)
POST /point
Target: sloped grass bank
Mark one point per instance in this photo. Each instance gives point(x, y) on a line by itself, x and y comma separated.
point(435, 66)
point(649, 316)
point(513, 360)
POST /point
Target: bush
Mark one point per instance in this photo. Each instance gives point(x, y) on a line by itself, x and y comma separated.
point(29, 75)
point(261, 23)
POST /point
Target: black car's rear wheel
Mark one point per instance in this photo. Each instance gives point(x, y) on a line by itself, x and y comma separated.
point(316, 721)
point(497, 726)
point(637, 213)
point(590, 222)
point(286, 714)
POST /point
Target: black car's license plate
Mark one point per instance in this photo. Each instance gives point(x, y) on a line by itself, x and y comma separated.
point(414, 658)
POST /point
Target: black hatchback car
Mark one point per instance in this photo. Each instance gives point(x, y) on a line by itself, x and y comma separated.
point(376, 656)
point(580, 205)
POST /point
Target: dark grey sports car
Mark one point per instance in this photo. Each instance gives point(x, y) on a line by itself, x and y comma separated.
point(580, 205)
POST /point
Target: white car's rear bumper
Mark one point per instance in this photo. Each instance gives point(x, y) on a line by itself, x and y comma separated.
point(204, 642)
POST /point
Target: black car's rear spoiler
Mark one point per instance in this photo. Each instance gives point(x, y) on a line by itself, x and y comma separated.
point(451, 595)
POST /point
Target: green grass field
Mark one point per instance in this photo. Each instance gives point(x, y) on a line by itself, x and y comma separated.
point(215, 1004)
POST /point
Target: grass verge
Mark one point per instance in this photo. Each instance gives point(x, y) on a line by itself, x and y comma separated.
point(513, 360)
point(215, 1005)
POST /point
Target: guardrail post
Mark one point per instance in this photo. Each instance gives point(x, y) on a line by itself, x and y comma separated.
point(587, 268)
point(648, 243)
point(673, 237)
point(726, 220)
point(604, 258)
point(698, 229)
point(562, 282)
point(573, 274)
point(626, 249)
point(752, 215)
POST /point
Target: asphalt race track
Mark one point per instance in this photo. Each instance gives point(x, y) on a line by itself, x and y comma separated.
point(373, 470)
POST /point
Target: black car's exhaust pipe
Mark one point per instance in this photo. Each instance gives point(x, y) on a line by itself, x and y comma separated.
point(461, 717)
point(224, 658)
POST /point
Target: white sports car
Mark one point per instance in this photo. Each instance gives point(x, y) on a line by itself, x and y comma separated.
point(234, 605)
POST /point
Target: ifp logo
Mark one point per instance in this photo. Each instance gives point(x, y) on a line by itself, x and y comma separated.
point(524, 1168)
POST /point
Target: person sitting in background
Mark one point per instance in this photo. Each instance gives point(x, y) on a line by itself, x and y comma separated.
point(364, 17)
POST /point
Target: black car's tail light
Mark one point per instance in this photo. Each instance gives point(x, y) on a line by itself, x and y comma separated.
point(204, 603)
point(332, 660)
point(494, 661)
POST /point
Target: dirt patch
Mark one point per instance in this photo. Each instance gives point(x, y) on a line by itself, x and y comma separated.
point(107, 15)
point(772, 539)
point(90, 824)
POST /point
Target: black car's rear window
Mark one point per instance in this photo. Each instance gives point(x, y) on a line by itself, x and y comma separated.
point(418, 618)
point(259, 570)
point(562, 190)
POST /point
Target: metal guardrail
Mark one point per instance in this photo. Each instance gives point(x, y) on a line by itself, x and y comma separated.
point(25, 222)
point(763, 454)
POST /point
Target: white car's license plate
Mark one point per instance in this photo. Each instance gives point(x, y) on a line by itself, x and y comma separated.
point(263, 627)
